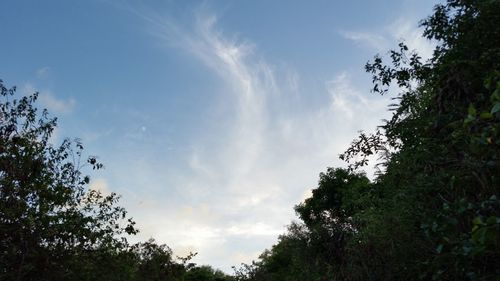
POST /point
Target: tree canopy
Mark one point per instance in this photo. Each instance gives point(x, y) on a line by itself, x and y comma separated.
point(433, 212)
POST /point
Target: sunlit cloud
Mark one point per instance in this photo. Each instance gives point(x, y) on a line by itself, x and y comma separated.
point(254, 230)
point(101, 185)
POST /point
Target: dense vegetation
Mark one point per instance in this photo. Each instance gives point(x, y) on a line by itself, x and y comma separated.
point(52, 226)
point(432, 213)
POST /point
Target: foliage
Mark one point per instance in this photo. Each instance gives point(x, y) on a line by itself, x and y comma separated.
point(47, 216)
point(52, 226)
point(433, 213)
point(206, 273)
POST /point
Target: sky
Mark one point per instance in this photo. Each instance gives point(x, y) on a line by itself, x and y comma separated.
point(212, 118)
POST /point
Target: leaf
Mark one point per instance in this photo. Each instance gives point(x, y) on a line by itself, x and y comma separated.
point(469, 120)
point(439, 248)
point(479, 236)
point(472, 110)
point(477, 221)
point(495, 96)
point(486, 116)
point(491, 220)
point(496, 108)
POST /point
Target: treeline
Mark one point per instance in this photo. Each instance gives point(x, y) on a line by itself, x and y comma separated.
point(433, 210)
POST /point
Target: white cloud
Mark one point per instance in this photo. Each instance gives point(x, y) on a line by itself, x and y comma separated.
point(254, 230)
point(387, 37)
point(50, 101)
point(101, 185)
point(344, 98)
point(408, 31)
point(369, 39)
point(242, 257)
point(293, 80)
point(56, 105)
point(43, 72)
point(245, 176)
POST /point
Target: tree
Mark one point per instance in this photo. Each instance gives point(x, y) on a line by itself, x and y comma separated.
point(51, 225)
point(330, 213)
point(317, 247)
point(156, 262)
point(205, 273)
point(433, 213)
point(442, 172)
point(292, 258)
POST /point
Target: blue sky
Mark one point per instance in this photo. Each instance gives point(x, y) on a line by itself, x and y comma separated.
point(213, 118)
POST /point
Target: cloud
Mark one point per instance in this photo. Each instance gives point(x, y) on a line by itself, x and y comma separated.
point(254, 230)
point(411, 34)
point(369, 39)
point(43, 72)
point(50, 101)
point(245, 174)
point(344, 98)
point(293, 80)
point(101, 185)
point(56, 105)
point(386, 37)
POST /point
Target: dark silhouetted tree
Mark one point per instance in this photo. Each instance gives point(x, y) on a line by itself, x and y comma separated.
point(51, 225)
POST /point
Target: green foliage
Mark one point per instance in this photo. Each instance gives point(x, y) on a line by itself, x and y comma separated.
point(206, 273)
point(433, 212)
point(155, 262)
point(330, 214)
point(52, 226)
point(293, 258)
point(317, 248)
point(49, 221)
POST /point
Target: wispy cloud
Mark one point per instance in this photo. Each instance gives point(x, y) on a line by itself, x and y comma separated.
point(244, 177)
point(48, 100)
point(368, 39)
point(344, 97)
point(385, 38)
point(57, 105)
point(408, 30)
point(43, 72)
